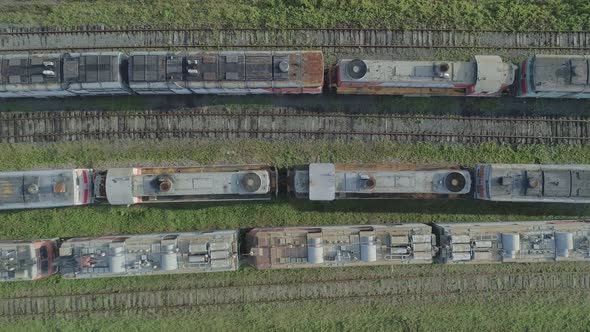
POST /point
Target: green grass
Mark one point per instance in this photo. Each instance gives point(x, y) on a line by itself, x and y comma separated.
point(406, 14)
point(538, 311)
point(281, 153)
point(247, 276)
point(534, 312)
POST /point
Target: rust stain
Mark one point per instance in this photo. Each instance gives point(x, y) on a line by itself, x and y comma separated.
point(313, 68)
point(59, 188)
point(380, 90)
point(395, 167)
point(201, 169)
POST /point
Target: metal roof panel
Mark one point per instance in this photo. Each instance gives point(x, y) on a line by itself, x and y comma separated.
point(322, 182)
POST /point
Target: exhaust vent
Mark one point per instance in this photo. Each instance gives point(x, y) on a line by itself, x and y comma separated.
point(356, 69)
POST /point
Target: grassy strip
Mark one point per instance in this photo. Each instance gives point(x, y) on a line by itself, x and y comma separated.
point(281, 153)
point(248, 276)
point(140, 219)
point(403, 14)
point(411, 313)
point(511, 312)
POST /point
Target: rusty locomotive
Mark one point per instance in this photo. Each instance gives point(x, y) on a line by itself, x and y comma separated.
point(297, 247)
point(286, 72)
point(314, 182)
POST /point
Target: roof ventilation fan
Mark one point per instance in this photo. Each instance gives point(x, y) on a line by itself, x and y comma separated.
point(356, 69)
point(455, 182)
point(250, 182)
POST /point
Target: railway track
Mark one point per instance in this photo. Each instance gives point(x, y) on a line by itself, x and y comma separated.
point(337, 40)
point(285, 123)
point(390, 288)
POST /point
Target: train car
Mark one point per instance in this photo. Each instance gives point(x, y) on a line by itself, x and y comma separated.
point(24, 75)
point(482, 76)
point(229, 72)
point(168, 253)
point(27, 260)
point(554, 76)
point(528, 241)
point(327, 182)
point(60, 75)
point(45, 188)
point(533, 183)
point(301, 247)
point(94, 74)
point(126, 186)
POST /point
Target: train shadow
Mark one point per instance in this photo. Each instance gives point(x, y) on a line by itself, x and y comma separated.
point(448, 207)
point(444, 208)
point(411, 206)
point(505, 106)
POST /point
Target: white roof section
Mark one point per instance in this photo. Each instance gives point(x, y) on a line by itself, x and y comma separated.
point(126, 186)
point(327, 181)
point(165, 253)
point(536, 182)
point(119, 186)
point(398, 182)
point(492, 74)
point(408, 72)
point(322, 182)
point(528, 241)
point(486, 74)
point(45, 188)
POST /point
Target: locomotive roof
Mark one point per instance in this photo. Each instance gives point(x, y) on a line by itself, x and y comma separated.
point(329, 181)
point(306, 66)
point(131, 185)
point(91, 67)
point(18, 260)
point(30, 69)
point(561, 72)
point(486, 74)
point(557, 183)
point(292, 247)
point(526, 241)
point(149, 254)
point(39, 189)
point(515, 226)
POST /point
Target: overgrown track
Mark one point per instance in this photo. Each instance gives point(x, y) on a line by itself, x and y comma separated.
point(392, 289)
point(284, 123)
point(339, 40)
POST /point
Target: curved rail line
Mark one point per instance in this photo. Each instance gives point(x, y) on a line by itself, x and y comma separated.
point(16, 127)
point(326, 39)
point(359, 289)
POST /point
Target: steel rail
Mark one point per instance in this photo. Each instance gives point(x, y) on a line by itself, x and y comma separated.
point(31, 116)
point(79, 30)
point(386, 295)
point(162, 132)
point(291, 46)
point(299, 282)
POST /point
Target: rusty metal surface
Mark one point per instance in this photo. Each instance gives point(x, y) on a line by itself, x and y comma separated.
point(387, 90)
point(313, 68)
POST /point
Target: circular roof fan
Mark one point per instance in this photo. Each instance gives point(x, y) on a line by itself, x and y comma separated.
point(164, 183)
point(250, 182)
point(356, 69)
point(370, 183)
point(455, 182)
point(284, 66)
point(33, 189)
